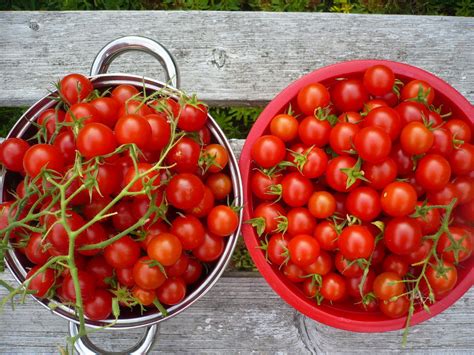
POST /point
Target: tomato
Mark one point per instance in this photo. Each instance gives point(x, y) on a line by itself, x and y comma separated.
point(42, 282)
point(125, 276)
point(380, 174)
point(402, 160)
point(66, 145)
point(133, 129)
point(459, 130)
point(211, 249)
point(354, 284)
point(435, 119)
point(310, 288)
point(172, 291)
point(87, 286)
point(322, 204)
point(179, 267)
point(189, 230)
point(419, 90)
point(166, 248)
point(402, 235)
point(150, 178)
point(205, 206)
point(385, 118)
point(349, 95)
point(192, 117)
point(465, 211)
point(124, 217)
point(284, 127)
point(462, 160)
point(100, 306)
point(220, 184)
point(268, 151)
point(222, 221)
point(95, 139)
point(57, 235)
point(314, 162)
point(134, 107)
point(350, 117)
point(465, 188)
point(147, 275)
point(218, 157)
point(444, 196)
point(270, 212)
point(74, 88)
point(303, 250)
point(379, 80)
point(204, 135)
point(372, 144)
point(390, 98)
point(296, 189)
point(312, 97)
point(82, 113)
point(326, 235)
point(396, 308)
point(193, 271)
point(419, 254)
point(333, 287)
point(347, 267)
point(36, 251)
point(341, 137)
point(416, 139)
point(442, 142)
point(184, 155)
point(184, 191)
point(145, 297)
point(321, 266)
point(160, 132)
point(124, 92)
point(411, 111)
point(122, 253)
point(356, 242)
point(336, 178)
point(94, 234)
point(388, 285)
point(442, 278)
point(42, 156)
point(108, 109)
point(398, 199)
point(300, 221)
point(48, 120)
point(379, 251)
point(459, 251)
point(261, 183)
point(100, 270)
point(430, 221)
point(293, 272)
point(395, 263)
point(364, 203)
point(313, 131)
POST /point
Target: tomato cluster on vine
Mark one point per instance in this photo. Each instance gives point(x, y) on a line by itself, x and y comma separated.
point(118, 195)
point(363, 193)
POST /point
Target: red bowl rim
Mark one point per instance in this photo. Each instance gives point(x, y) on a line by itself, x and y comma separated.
point(251, 240)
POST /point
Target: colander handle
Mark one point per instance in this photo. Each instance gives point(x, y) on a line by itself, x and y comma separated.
point(136, 43)
point(84, 346)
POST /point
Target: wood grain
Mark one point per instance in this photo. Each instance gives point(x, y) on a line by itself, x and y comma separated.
point(227, 57)
point(242, 315)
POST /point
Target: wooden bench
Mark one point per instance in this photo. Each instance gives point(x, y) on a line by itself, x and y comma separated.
point(233, 58)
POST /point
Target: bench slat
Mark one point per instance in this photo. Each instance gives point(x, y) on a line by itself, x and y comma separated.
point(227, 57)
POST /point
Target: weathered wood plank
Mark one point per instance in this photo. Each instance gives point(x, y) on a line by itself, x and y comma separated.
point(242, 314)
point(227, 57)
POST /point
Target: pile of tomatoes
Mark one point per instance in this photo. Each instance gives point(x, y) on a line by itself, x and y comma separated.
point(363, 193)
point(138, 176)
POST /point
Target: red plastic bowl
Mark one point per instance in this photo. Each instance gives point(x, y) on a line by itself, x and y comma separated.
point(346, 316)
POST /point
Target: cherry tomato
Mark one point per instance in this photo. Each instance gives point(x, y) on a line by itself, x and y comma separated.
point(333, 287)
point(189, 230)
point(220, 185)
point(402, 160)
point(356, 242)
point(268, 151)
point(270, 212)
point(222, 221)
point(398, 199)
point(42, 282)
point(160, 132)
point(66, 145)
point(341, 137)
point(411, 111)
point(100, 306)
point(95, 139)
point(303, 249)
point(293, 272)
point(193, 271)
point(124, 92)
point(326, 235)
point(416, 139)
point(350, 117)
point(430, 221)
point(462, 160)
point(347, 267)
point(184, 156)
point(442, 278)
point(184, 191)
point(385, 118)
point(36, 251)
point(147, 275)
point(442, 142)
point(205, 206)
point(349, 95)
point(354, 285)
point(172, 291)
point(211, 249)
point(396, 308)
point(133, 129)
point(465, 188)
point(75, 88)
point(192, 117)
point(395, 263)
point(458, 251)
point(125, 276)
point(418, 89)
point(124, 217)
point(82, 113)
point(261, 184)
point(108, 109)
point(313, 131)
point(364, 203)
point(380, 174)
point(277, 249)
point(314, 161)
point(145, 297)
point(166, 248)
point(284, 127)
point(179, 267)
point(321, 266)
point(296, 189)
point(379, 80)
point(402, 235)
point(58, 236)
point(388, 285)
point(87, 286)
point(459, 129)
point(94, 234)
point(312, 97)
point(444, 196)
point(421, 253)
point(300, 221)
point(122, 253)
point(217, 156)
point(134, 107)
point(42, 156)
point(322, 204)
point(372, 144)
point(100, 270)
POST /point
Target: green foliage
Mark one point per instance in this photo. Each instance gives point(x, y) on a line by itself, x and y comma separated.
point(235, 121)
point(8, 116)
point(241, 259)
